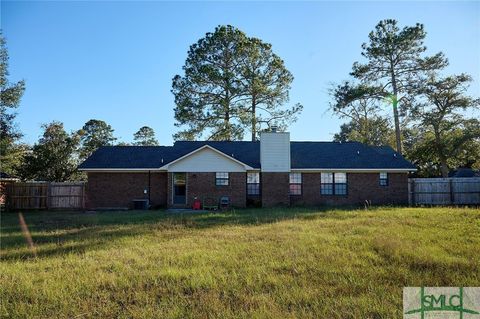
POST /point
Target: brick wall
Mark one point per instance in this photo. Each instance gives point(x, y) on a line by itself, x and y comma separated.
point(361, 187)
point(202, 185)
point(119, 189)
point(169, 190)
point(275, 188)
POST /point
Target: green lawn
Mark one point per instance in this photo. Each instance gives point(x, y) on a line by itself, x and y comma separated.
point(243, 264)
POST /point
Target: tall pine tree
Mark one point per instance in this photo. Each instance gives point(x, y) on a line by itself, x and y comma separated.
point(94, 133)
point(208, 96)
point(394, 59)
point(231, 84)
point(267, 83)
point(145, 136)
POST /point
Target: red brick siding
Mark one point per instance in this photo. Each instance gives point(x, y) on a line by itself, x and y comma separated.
point(275, 188)
point(202, 185)
point(361, 187)
point(119, 189)
point(170, 190)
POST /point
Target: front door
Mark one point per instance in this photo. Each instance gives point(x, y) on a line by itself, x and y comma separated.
point(179, 188)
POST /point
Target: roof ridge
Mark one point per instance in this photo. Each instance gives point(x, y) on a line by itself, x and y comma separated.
point(330, 142)
point(216, 142)
point(131, 146)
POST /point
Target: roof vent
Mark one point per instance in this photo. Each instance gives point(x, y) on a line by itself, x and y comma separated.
point(358, 152)
point(233, 155)
point(274, 129)
point(394, 154)
point(162, 160)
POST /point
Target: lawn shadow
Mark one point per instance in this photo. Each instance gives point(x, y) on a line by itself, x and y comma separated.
point(57, 233)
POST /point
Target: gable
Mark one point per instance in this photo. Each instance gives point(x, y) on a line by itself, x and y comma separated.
point(206, 160)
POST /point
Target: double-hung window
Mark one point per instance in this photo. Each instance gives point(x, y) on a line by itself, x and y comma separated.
point(295, 183)
point(253, 183)
point(340, 182)
point(333, 184)
point(326, 184)
point(383, 179)
point(221, 179)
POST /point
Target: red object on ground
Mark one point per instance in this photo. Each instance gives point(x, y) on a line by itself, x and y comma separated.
point(197, 204)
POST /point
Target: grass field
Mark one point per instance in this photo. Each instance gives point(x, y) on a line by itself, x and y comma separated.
point(242, 264)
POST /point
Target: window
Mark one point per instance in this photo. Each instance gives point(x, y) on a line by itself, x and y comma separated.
point(295, 183)
point(326, 184)
point(221, 179)
point(383, 179)
point(253, 183)
point(333, 184)
point(340, 183)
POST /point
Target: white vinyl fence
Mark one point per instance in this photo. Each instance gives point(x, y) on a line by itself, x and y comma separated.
point(444, 191)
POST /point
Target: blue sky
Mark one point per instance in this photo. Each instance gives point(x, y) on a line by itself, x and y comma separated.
point(114, 61)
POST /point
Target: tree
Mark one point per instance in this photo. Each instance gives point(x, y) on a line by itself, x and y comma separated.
point(267, 83)
point(95, 133)
point(361, 105)
point(231, 84)
point(53, 157)
point(208, 96)
point(375, 132)
point(145, 136)
point(440, 115)
point(12, 157)
point(10, 95)
point(394, 60)
point(423, 152)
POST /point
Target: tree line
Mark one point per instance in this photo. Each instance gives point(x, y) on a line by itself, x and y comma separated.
point(429, 109)
point(233, 85)
point(57, 153)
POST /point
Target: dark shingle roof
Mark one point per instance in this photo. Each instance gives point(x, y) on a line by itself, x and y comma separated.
point(344, 155)
point(129, 157)
point(4, 175)
point(303, 155)
point(464, 172)
point(157, 156)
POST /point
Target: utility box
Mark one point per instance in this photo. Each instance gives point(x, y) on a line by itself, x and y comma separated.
point(140, 204)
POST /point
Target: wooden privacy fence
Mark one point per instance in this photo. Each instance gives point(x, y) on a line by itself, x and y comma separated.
point(45, 195)
point(444, 191)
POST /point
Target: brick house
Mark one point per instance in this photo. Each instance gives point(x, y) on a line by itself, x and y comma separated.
point(271, 172)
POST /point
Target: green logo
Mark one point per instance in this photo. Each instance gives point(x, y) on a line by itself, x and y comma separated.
point(441, 302)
